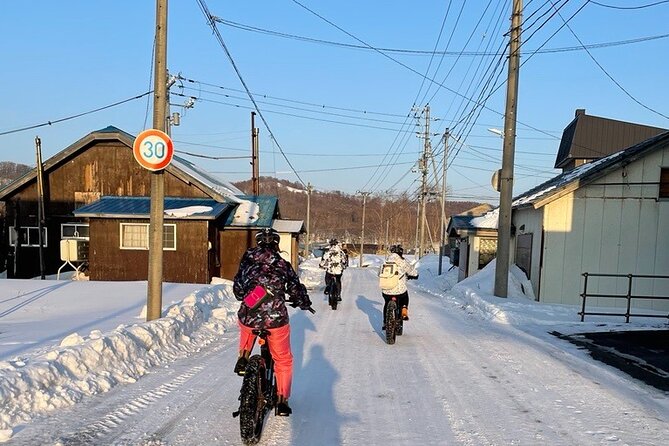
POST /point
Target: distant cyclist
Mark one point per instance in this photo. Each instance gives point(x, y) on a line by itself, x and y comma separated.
point(264, 267)
point(406, 271)
point(334, 262)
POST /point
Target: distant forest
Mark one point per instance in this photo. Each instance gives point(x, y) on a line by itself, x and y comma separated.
point(10, 171)
point(339, 215)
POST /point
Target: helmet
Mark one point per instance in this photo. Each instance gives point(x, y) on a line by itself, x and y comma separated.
point(333, 241)
point(267, 237)
point(397, 249)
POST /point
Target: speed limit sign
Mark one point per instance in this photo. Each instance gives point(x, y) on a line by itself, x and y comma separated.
point(153, 149)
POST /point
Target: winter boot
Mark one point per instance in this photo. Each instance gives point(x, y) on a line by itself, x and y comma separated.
point(240, 366)
point(405, 314)
point(282, 407)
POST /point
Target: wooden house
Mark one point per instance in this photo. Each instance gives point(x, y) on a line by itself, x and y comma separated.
point(95, 192)
point(607, 216)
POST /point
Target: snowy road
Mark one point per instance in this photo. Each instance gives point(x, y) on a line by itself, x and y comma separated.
point(451, 379)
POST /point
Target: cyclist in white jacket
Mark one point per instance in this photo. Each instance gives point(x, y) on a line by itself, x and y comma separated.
point(334, 262)
point(406, 272)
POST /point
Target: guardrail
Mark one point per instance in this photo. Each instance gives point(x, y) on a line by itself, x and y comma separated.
point(629, 296)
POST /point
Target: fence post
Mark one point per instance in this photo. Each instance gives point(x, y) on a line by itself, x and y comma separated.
point(629, 298)
point(585, 290)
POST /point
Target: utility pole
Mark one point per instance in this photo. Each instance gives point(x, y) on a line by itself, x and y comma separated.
point(442, 238)
point(362, 236)
point(255, 177)
point(154, 302)
point(41, 219)
point(506, 176)
point(306, 248)
point(423, 168)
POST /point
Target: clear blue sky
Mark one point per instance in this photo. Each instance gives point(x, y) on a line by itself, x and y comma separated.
point(65, 58)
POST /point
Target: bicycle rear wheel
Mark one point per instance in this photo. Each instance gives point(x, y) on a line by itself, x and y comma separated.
point(251, 407)
point(391, 322)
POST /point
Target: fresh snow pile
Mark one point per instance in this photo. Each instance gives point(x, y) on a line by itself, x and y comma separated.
point(87, 365)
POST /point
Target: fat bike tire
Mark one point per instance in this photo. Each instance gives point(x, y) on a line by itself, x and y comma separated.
point(399, 326)
point(333, 299)
point(252, 404)
point(391, 322)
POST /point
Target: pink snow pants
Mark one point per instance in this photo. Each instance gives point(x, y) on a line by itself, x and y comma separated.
point(279, 346)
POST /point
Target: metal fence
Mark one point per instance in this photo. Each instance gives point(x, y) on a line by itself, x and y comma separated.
point(628, 296)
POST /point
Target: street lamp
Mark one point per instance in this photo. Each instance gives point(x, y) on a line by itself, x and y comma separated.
point(497, 132)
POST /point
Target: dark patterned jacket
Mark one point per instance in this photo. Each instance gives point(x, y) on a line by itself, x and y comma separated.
point(265, 267)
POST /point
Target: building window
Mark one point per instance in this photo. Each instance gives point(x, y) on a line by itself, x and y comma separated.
point(28, 236)
point(487, 251)
point(664, 182)
point(524, 253)
point(136, 236)
point(74, 230)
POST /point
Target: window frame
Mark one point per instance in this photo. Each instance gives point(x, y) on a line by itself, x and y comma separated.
point(146, 226)
point(12, 240)
point(75, 237)
point(663, 185)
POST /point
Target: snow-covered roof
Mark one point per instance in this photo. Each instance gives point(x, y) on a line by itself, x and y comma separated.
point(140, 207)
point(291, 226)
point(224, 188)
point(586, 173)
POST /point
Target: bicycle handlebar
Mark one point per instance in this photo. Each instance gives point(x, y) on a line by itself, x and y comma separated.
point(311, 310)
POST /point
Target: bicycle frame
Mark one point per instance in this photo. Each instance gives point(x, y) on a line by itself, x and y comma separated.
point(269, 381)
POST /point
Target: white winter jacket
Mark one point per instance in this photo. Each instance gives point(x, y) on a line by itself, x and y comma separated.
point(334, 260)
point(405, 269)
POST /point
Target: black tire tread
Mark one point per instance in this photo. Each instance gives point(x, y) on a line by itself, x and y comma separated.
point(251, 414)
point(391, 312)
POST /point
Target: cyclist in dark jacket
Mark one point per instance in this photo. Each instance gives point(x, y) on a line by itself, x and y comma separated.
point(263, 266)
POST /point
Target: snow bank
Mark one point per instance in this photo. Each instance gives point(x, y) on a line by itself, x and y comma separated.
point(87, 365)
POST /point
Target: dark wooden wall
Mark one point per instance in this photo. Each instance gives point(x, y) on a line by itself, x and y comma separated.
point(188, 264)
point(103, 168)
point(233, 244)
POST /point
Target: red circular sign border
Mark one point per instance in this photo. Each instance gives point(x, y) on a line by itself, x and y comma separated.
point(141, 137)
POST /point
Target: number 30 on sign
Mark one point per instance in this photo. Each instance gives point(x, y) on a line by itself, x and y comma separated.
point(153, 149)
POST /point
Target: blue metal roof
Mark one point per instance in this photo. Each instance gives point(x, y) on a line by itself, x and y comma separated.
point(268, 207)
point(140, 207)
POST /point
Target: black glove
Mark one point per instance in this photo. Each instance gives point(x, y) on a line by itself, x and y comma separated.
point(412, 277)
point(292, 303)
point(306, 304)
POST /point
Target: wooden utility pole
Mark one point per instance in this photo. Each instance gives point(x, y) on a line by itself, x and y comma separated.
point(306, 248)
point(362, 236)
point(423, 168)
point(255, 177)
point(442, 238)
point(506, 176)
point(41, 219)
point(154, 302)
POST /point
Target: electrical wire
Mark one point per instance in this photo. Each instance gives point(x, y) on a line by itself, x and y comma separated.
point(430, 53)
point(629, 7)
point(78, 115)
point(609, 75)
point(212, 23)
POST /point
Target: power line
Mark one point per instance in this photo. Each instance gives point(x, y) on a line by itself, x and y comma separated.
point(212, 23)
point(78, 115)
point(629, 7)
point(445, 53)
point(311, 104)
point(609, 75)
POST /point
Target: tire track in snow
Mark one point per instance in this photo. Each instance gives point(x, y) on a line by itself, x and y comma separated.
point(100, 431)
